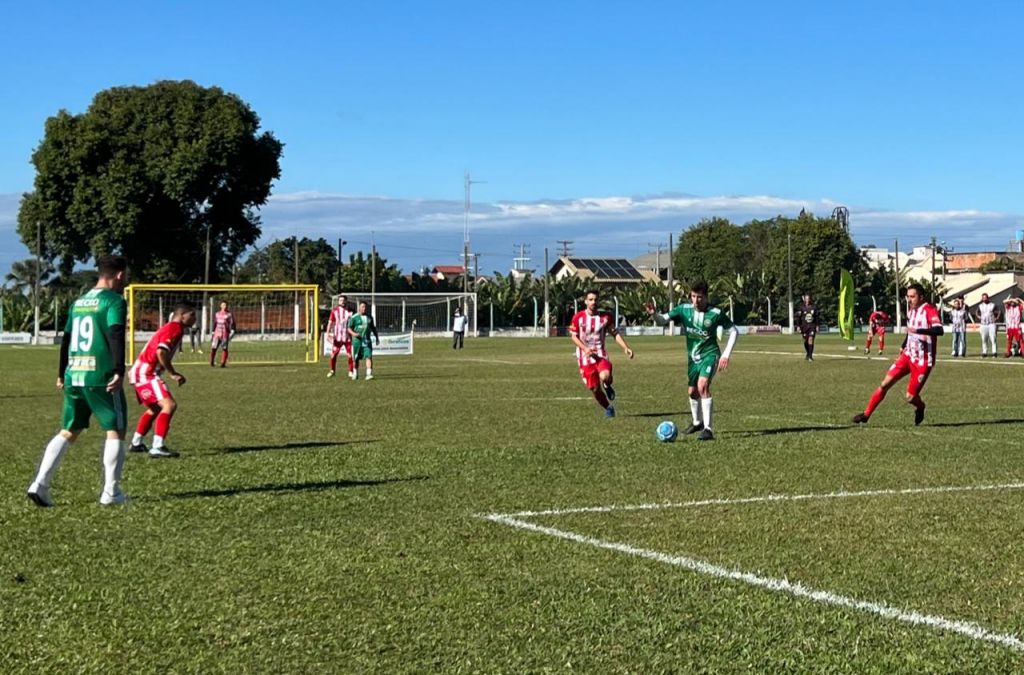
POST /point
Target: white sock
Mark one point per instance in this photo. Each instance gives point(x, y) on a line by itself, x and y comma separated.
point(54, 452)
point(113, 462)
point(158, 441)
point(705, 404)
point(369, 371)
point(137, 438)
point(695, 410)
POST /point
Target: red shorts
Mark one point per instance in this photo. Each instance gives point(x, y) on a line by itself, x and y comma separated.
point(152, 392)
point(1013, 334)
point(878, 330)
point(337, 346)
point(590, 372)
point(903, 366)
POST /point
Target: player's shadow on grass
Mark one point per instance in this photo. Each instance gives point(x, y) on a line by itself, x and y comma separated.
point(657, 414)
point(790, 430)
point(975, 423)
point(292, 487)
point(290, 446)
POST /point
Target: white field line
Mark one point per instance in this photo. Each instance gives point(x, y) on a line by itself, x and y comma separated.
point(966, 628)
point(875, 357)
point(765, 499)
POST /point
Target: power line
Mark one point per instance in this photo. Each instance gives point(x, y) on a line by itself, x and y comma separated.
point(565, 244)
point(519, 262)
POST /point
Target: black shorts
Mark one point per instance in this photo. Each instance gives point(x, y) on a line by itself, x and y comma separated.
point(808, 331)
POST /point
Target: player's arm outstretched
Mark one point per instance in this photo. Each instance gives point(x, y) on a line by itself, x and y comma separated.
point(659, 318)
point(730, 342)
point(621, 341)
point(372, 328)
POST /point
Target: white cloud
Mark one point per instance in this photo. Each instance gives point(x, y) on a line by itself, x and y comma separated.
point(414, 232)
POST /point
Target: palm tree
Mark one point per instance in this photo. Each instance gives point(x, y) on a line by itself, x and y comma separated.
point(22, 277)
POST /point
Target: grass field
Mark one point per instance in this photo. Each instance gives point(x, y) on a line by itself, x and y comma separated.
point(341, 526)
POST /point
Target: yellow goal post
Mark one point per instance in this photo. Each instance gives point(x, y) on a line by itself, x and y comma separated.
point(274, 323)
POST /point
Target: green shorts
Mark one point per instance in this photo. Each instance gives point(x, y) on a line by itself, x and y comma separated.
point(361, 349)
point(80, 403)
point(707, 366)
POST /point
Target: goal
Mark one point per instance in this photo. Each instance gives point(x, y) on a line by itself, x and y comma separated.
point(428, 314)
point(274, 323)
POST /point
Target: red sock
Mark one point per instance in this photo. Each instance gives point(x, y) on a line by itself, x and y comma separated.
point(351, 366)
point(334, 360)
point(600, 397)
point(163, 423)
point(145, 422)
point(224, 359)
point(881, 344)
point(876, 398)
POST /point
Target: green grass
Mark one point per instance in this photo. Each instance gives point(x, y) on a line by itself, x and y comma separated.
point(332, 525)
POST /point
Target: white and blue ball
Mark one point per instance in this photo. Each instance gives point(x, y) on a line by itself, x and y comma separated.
point(666, 431)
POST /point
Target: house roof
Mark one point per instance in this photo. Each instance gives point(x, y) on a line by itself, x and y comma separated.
point(600, 269)
point(447, 269)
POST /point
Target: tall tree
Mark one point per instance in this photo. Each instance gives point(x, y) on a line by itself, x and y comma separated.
point(711, 249)
point(151, 173)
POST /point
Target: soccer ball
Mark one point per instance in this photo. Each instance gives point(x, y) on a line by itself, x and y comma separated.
point(666, 431)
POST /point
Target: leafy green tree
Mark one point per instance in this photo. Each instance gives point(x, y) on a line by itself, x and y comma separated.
point(275, 263)
point(22, 276)
point(711, 249)
point(150, 172)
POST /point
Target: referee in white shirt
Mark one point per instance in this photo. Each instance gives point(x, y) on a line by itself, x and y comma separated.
point(458, 329)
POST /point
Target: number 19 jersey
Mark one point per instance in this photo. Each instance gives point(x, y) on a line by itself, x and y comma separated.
point(90, 359)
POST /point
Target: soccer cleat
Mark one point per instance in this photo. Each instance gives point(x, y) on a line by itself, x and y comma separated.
point(918, 416)
point(330, 374)
point(141, 447)
point(368, 377)
point(860, 418)
point(694, 428)
point(164, 451)
point(706, 435)
point(40, 495)
point(223, 365)
point(609, 412)
point(867, 350)
point(112, 498)
point(609, 391)
point(353, 375)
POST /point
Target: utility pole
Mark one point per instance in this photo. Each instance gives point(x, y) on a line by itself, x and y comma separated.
point(671, 285)
point(39, 271)
point(896, 282)
point(933, 270)
point(565, 244)
point(657, 251)
point(519, 263)
point(296, 257)
point(547, 306)
point(789, 265)
point(467, 204)
point(337, 282)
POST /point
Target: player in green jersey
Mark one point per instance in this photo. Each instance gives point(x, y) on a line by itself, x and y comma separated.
point(361, 327)
point(91, 373)
point(700, 323)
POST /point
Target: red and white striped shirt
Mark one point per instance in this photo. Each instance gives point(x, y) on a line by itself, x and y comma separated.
point(1012, 316)
point(147, 366)
point(591, 329)
point(337, 325)
point(921, 348)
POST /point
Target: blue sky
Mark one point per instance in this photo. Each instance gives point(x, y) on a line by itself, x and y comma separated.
point(609, 124)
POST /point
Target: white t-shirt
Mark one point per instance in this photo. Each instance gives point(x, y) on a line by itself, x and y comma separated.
point(459, 324)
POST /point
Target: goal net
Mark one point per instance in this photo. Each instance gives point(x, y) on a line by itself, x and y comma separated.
point(429, 314)
point(273, 324)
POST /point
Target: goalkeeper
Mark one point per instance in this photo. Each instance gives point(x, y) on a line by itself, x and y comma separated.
point(360, 327)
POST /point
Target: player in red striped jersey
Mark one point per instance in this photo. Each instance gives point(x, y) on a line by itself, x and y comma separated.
point(1012, 316)
point(151, 390)
point(223, 331)
point(917, 355)
point(587, 330)
point(337, 333)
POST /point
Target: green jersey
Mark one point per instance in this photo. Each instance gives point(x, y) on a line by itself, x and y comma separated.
point(701, 329)
point(362, 324)
point(91, 361)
